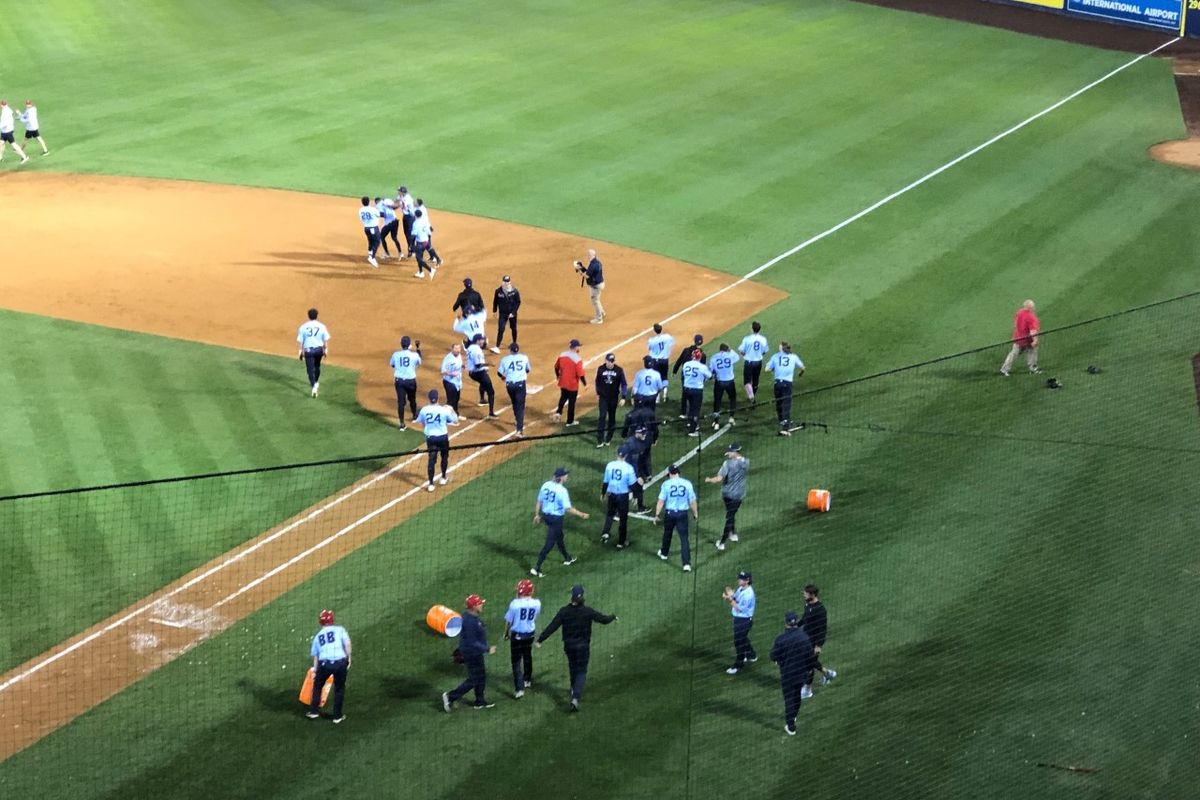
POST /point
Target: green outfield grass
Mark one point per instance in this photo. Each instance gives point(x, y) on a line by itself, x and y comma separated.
point(1011, 594)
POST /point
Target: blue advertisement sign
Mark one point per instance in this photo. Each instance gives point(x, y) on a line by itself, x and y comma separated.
point(1166, 14)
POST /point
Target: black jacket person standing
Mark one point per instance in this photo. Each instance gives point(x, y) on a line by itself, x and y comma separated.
point(611, 389)
point(793, 652)
point(467, 298)
point(505, 304)
point(576, 621)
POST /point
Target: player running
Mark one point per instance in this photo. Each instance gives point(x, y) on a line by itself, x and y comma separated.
point(785, 366)
point(721, 365)
point(754, 349)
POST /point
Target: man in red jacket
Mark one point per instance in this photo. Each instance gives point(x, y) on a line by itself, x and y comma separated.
point(569, 371)
point(1024, 339)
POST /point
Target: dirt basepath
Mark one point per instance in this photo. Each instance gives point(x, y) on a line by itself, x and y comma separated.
point(238, 267)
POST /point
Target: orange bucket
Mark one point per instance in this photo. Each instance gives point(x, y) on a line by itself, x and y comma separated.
point(818, 500)
point(306, 689)
point(444, 620)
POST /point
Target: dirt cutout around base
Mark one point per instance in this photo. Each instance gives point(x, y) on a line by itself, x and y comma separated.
point(1184, 152)
point(238, 267)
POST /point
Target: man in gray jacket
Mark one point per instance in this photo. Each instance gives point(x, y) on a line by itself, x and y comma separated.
point(732, 477)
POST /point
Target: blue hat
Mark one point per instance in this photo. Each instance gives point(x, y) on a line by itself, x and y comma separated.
point(573, 343)
point(577, 590)
point(733, 448)
point(673, 469)
point(477, 337)
point(466, 281)
point(561, 471)
point(744, 576)
point(621, 452)
point(791, 618)
point(512, 348)
point(611, 357)
point(698, 339)
point(405, 341)
point(433, 395)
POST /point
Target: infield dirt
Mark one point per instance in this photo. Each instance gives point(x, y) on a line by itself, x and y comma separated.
point(238, 267)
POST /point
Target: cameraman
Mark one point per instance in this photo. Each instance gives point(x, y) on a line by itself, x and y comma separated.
point(593, 276)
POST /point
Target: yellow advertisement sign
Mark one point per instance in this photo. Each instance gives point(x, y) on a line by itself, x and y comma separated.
point(1044, 3)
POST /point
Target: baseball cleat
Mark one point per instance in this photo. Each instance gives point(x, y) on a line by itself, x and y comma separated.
point(443, 480)
point(570, 561)
point(731, 671)
point(621, 546)
point(716, 425)
point(721, 546)
point(312, 715)
point(604, 537)
point(528, 684)
point(660, 555)
point(493, 415)
point(805, 693)
point(1004, 372)
point(574, 704)
point(790, 730)
point(446, 701)
point(371, 260)
point(481, 706)
point(402, 427)
point(429, 488)
point(733, 537)
point(732, 422)
point(828, 676)
point(24, 159)
point(694, 434)
point(339, 720)
point(687, 567)
point(495, 350)
point(599, 445)
point(570, 425)
point(535, 572)
point(419, 274)
point(518, 694)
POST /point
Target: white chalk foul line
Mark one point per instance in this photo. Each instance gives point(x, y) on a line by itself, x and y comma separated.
point(683, 459)
point(748, 276)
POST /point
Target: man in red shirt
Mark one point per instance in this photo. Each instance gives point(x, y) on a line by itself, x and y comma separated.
point(1024, 339)
point(569, 371)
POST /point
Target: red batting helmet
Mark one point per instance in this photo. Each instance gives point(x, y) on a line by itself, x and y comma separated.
point(325, 617)
point(475, 601)
point(697, 354)
point(524, 588)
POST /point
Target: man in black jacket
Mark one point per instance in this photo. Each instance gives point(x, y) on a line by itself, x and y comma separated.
point(473, 646)
point(612, 390)
point(815, 623)
point(793, 652)
point(505, 303)
point(576, 621)
point(468, 297)
point(637, 453)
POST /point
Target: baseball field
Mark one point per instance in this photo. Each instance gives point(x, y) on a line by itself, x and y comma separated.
point(1010, 570)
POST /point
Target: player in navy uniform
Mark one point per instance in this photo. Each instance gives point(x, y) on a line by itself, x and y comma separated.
point(576, 622)
point(369, 218)
point(473, 646)
point(331, 656)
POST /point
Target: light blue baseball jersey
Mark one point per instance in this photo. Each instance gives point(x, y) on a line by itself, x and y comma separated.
point(330, 643)
point(475, 358)
point(554, 499)
point(405, 363)
point(784, 365)
point(514, 368)
point(647, 382)
point(660, 346)
point(452, 370)
point(470, 325)
point(522, 614)
point(312, 335)
point(695, 374)
point(421, 229)
point(677, 494)
point(368, 216)
point(722, 365)
point(754, 347)
point(386, 211)
point(619, 475)
point(744, 602)
point(436, 418)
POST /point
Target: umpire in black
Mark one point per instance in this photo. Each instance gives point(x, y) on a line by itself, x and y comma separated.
point(505, 304)
point(467, 298)
point(612, 390)
point(793, 652)
point(576, 620)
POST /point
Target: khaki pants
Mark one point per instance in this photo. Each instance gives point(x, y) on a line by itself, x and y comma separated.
point(1030, 357)
point(596, 304)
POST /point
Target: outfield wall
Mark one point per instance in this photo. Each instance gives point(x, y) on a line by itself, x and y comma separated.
point(1180, 17)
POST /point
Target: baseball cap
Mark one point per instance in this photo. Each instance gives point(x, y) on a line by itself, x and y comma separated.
point(404, 189)
point(577, 590)
point(698, 338)
point(791, 618)
point(734, 447)
point(639, 430)
point(647, 361)
point(622, 452)
point(673, 469)
point(475, 601)
point(745, 576)
point(507, 279)
point(405, 341)
point(477, 337)
point(611, 357)
point(560, 471)
point(513, 347)
point(433, 394)
point(466, 281)
point(574, 343)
